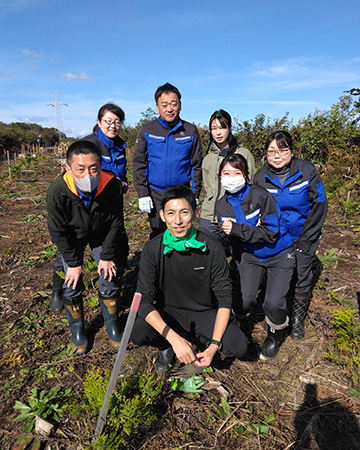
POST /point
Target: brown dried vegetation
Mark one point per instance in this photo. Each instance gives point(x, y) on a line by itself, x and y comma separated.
point(308, 395)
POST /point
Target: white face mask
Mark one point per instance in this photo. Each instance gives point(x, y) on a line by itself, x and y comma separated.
point(233, 184)
point(87, 184)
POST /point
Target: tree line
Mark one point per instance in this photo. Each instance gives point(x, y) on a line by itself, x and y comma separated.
point(315, 136)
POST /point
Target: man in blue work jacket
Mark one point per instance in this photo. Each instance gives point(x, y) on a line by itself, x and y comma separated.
point(167, 153)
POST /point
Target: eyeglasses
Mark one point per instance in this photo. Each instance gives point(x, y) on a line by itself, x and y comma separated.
point(173, 103)
point(280, 152)
point(109, 122)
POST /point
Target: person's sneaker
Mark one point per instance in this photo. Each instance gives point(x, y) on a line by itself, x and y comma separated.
point(164, 360)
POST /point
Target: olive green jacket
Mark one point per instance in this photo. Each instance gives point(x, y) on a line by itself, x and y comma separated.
point(210, 175)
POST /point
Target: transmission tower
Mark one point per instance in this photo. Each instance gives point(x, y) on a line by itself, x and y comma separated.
point(56, 105)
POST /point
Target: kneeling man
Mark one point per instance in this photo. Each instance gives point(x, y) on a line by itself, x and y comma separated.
point(186, 290)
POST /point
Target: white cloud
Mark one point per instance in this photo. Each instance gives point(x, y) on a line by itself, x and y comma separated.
point(71, 76)
point(302, 73)
point(292, 66)
point(6, 74)
point(31, 53)
point(84, 77)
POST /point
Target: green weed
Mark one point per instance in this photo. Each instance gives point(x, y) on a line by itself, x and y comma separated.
point(331, 259)
point(243, 418)
point(12, 385)
point(93, 302)
point(40, 199)
point(351, 212)
point(31, 219)
point(337, 299)
point(347, 343)
point(49, 251)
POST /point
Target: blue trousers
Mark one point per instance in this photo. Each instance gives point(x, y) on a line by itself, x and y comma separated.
point(106, 287)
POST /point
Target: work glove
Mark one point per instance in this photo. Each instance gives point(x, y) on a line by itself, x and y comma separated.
point(145, 204)
point(188, 385)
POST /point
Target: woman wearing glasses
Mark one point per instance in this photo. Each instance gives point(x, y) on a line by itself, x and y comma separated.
point(299, 191)
point(105, 136)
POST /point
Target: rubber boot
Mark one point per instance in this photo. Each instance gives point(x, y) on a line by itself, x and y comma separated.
point(272, 343)
point(299, 310)
point(57, 302)
point(75, 317)
point(164, 360)
point(109, 307)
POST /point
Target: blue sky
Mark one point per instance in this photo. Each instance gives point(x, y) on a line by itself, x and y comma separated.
point(247, 57)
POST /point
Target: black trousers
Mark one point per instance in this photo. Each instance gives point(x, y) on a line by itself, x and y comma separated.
point(304, 273)
point(156, 224)
point(193, 323)
point(279, 270)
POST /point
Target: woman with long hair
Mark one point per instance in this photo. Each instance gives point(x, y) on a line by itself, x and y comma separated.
point(222, 143)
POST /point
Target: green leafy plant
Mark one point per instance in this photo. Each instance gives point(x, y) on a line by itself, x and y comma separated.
point(131, 410)
point(347, 343)
point(45, 405)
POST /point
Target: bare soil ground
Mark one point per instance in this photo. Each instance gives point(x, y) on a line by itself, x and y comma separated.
point(308, 394)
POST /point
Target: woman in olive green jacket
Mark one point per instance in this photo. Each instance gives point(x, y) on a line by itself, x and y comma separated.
point(222, 143)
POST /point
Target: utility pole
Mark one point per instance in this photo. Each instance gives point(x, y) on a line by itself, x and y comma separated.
point(59, 124)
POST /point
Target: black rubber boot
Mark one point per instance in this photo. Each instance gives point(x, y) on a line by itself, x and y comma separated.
point(57, 301)
point(299, 310)
point(164, 360)
point(109, 307)
point(75, 317)
point(272, 343)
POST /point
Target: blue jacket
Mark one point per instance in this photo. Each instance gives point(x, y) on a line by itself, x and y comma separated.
point(301, 198)
point(165, 157)
point(113, 153)
point(257, 226)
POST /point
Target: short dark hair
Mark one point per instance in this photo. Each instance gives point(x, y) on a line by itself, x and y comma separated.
point(165, 89)
point(179, 191)
point(282, 138)
point(115, 109)
point(225, 121)
point(238, 162)
point(82, 147)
